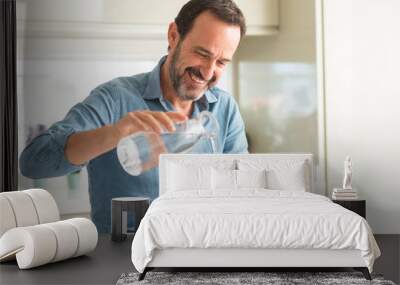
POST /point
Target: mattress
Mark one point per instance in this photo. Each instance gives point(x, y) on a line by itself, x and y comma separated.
point(251, 219)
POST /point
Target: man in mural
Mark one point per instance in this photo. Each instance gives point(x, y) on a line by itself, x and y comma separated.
point(201, 42)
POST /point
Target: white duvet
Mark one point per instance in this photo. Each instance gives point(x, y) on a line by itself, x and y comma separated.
point(252, 218)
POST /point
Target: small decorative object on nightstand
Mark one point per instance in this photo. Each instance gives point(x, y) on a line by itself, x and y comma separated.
point(348, 172)
point(357, 206)
point(347, 192)
point(120, 207)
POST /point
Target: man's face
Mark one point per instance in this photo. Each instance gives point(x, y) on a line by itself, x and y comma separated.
point(197, 61)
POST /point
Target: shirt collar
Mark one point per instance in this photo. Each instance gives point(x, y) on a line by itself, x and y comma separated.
point(153, 89)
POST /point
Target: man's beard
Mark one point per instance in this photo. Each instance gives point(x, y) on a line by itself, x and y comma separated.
point(182, 92)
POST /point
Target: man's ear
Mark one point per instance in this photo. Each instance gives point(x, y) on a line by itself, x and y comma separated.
point(173, 35)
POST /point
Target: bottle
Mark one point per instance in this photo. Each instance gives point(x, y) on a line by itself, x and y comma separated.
point(139, 152)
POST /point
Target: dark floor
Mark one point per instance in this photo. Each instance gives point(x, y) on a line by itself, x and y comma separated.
point(110, 260)
point(102, 266)
point(389, 262)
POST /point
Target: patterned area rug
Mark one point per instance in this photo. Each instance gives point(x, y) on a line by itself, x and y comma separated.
point(269, 278)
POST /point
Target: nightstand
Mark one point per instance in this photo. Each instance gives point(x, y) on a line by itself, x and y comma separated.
point(357, 206)
point(123, 207)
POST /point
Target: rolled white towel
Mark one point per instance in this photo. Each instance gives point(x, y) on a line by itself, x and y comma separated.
point(7, 220)
point(87, 234)
point(45, 205)
point(33, 246)
point(67, 240)
point(40, 244)
point(27, 208)
point(23, 208)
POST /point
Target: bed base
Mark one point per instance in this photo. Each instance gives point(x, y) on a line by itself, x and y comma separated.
point(242, 259)
point(363, 270)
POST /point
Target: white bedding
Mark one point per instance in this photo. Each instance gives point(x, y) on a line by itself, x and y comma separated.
point(251, 218)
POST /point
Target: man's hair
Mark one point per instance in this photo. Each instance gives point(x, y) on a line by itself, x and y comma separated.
point(225, 10)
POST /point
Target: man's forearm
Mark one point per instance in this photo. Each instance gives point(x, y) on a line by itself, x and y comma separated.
point(84, 146)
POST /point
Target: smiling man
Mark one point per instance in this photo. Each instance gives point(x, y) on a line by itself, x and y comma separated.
point(202, 41)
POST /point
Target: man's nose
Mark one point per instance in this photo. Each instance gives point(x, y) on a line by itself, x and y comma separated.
point(208, 71)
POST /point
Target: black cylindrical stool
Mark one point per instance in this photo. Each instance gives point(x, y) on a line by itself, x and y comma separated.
point(137, 206)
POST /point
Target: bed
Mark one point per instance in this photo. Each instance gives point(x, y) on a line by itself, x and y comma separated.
point(247, 211)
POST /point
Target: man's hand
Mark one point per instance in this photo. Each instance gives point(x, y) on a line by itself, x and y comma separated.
point(84, 146)
point(148, 121)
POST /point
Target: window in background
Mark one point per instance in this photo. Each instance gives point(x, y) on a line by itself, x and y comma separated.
point(279, 105)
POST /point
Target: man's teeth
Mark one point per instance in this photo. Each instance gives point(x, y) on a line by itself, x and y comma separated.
point(196, 79)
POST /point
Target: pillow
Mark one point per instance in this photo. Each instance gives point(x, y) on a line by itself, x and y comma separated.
point(288, 178)
point(281, 174)
point(251, 178)
point(228, 179)
point(223, 179)
point(188, 177)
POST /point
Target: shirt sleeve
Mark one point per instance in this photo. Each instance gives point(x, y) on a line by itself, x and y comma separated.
point(236, 141)
point(44, 157)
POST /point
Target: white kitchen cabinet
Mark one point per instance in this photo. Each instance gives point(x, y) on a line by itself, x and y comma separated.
point(125, 18)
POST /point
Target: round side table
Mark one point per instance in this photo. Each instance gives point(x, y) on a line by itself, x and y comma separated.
point(121, 209)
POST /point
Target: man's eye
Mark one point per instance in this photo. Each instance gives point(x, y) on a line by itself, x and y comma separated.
point(221, 63)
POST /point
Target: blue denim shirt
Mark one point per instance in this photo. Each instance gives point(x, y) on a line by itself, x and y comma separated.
point(44, 156)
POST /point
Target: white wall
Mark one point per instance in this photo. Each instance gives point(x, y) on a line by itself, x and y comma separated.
point(362, 89)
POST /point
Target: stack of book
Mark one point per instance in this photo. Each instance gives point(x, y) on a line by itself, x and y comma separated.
point(344, 194)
